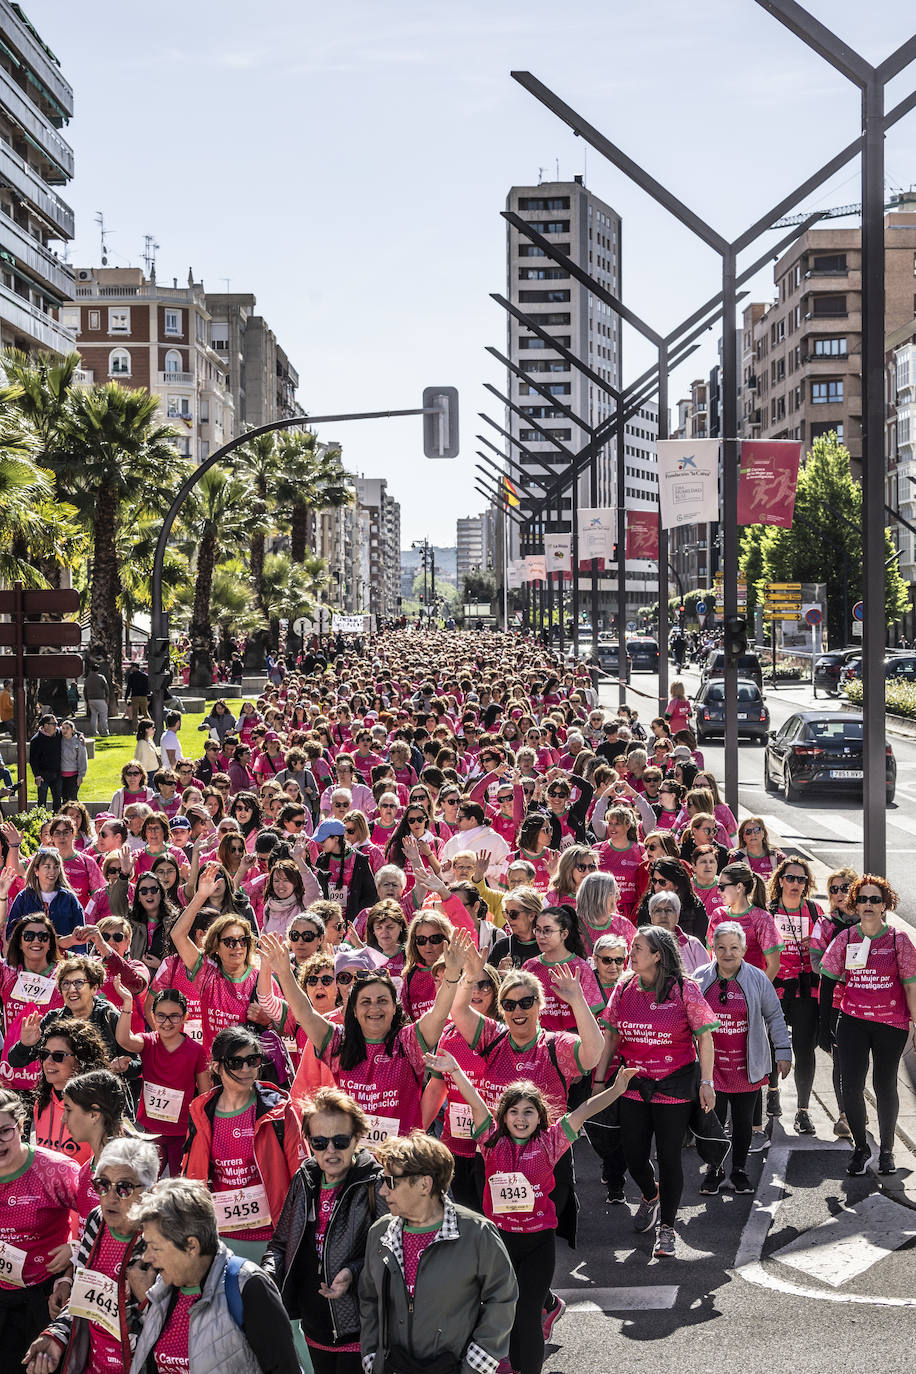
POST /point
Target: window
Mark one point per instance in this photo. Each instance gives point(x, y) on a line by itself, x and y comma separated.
point(828, 262)
point(95, 319)
point(821, 427)
point(544, 205)
point(173, 361)
point(542, 274)
point(173, 323)
point(204, 413)
point(533, 296)
point(534, 436)
point(828, 305)
point(119, 363)
point(70, 317)
point(531, 250)
point(539, 343)
point(544, 365)
point(556, 317)
point(830, 348)
point(119, 319)
point(826, 393)
point(178, 408)
point(550, 226)
point(219, 335)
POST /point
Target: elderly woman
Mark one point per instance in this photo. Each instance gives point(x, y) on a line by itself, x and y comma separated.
point(750, 1018)
point(99, 1326)
point(460, 1301)
point(597, 910)
point(664, 910)
point(208, 1310)
point(79, 980)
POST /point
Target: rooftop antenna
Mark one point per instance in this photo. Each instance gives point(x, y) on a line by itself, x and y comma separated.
point(558, 169)
point(227, 280)
point(541, 171)
point(104, 235)
point(150, 249)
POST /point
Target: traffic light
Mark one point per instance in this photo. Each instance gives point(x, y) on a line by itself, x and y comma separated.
point(157, 665)
point(735, 639)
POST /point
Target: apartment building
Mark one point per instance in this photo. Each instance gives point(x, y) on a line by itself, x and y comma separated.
point(36, 102)
point(262, 379)
point(900, 489)
point(130, 329)
point(380, 546)
point(476, 542)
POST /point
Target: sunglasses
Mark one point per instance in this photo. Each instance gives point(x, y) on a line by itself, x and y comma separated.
point(122, 1188)
point(416, 820)
point(421, 940)
point(132, 772)
point(320, 1143)
point(586, 868)
point(482, 984)
point(753, 830)
point(723, 991)
point(869, 900)
point(794, 878)
point(58, 1056)
point(36, 937)
point(834, 889)
point(722, 886)
point(610, 959)
point(236, 849)
point(307, 937)
point(513, 912)
point(392, 1180)
point(242, 1061)
point(234, 941)
point(324, 979)
point(116, 937)
point(520, 1003)
point(388, 806)
point(553, 792)
point(147, 891)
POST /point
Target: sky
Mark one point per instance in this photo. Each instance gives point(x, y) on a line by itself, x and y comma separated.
point(347, 163)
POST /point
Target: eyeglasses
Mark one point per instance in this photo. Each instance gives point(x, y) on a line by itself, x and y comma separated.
point(234, 941)
point(36, 937)
point(833, 889)
point(387, 806)
point(242, 1061)
point(8, 1132)
point(117, 937)
point(325, 979)
point(61, 830)
point(869, 899)
point(122, 1188)
point(794, 877)
point(236, 849)
point(586, 868)
point(58, 1056)
point(131, 772)
point(611, 959)
point(753, 830)
point(421, 940)
point(513, 912)
point(320, 1143)
point(722, 886)
point(416, 820)
point(74, 985)
point(147, 891)
point(520, 1003)
point(307, 937)
point(167, 1018)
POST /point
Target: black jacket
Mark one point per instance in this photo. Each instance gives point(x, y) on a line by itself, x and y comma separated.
point(137, 684)
point(44, 754)
point(105, 1019)
point(361, 892)
point(292, 1259)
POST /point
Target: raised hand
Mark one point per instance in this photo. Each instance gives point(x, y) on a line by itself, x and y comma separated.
point(443, 1062)
point(458, 954)
point(208, 880)
point(30, 1029)
point(565, 983)
point(484, 859)
point(272, 948)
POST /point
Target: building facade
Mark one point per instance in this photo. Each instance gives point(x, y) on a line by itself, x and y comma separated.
point(131, 330)
point(900, 492)
point(262, 379)
point(476, 543)
point(380, 546)
point(36, 102)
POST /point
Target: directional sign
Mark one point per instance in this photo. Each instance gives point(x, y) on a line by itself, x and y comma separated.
point(39, 666)
point(858, 611)
point(701, 608)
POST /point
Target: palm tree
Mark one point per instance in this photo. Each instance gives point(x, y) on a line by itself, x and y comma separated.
point(112, 452)
point(220, 514)
point(309, 480)
point(291, 589)
point(43, 383)
point(260, 461)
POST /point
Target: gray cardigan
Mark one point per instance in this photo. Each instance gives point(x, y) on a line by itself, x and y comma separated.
point(764, 1014)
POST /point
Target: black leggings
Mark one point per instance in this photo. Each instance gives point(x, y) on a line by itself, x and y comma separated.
point(533, 1256)
point(467, 1182)
point(802, 1015)
point(639, 1121)
point(855, 1040)
point(742, 1106)
point(335, 1361)
point(23, 1316)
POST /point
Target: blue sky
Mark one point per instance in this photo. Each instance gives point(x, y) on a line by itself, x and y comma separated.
point(347, 163)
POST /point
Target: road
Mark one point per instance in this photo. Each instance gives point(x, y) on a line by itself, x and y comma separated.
point(829, 829)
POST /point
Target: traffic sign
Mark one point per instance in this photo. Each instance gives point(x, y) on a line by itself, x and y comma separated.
point(858, 611)
point(857, 629)
point(36, 667)
point(701, 608)
point(783, 586)
point(813, 616)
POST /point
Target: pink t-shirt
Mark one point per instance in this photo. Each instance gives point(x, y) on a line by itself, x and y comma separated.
point(171, 1351)
point(710, 896)
point(87, 1197)
point(143, 862)
point(623, 863)
point(327, 1198)
point(875, 992)
point(678, 712)
point(232, 1162)
point(83, 875)
point(657, 1038)
point(35, 1208)
point(542, 879)
point(16, 1005)
point(457, 1127)
point(557, 1014)
point(105, 1353)
point(759, 930)
point(418, 992)
point(827, 928)
point(729, 1073)
point(177, 1070)
point(223, 1001)
point(385, 1086)
point(535, 1159)
point(413, 1243)
point(618, 925)
point(794, 929)
point(507, 1062)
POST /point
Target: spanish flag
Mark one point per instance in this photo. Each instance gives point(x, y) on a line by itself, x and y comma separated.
point(510, 493)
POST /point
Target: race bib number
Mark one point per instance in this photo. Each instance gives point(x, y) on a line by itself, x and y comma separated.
point(380, 1128)
point(511, 1193)
point(460, 1122)
point(194, 1030)
point(32, 987)
point(95, 1297)
point(11, 1262)
point(857, 955)
point(242, 1209)
point(339, 895)
point(162, 1104)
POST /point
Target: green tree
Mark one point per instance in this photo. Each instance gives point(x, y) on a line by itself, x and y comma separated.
point(220, 514)
point(309, 480)
point(31, 520)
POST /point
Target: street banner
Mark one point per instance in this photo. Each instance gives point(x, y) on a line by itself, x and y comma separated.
point(558, 552)
point(516, 573)
point(347, 624)
point(767, 480)
point(596, 536)
point(535, 568)
point(688, 481)
point(642, 534)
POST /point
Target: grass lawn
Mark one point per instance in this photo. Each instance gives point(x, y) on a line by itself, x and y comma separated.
point(104, 776)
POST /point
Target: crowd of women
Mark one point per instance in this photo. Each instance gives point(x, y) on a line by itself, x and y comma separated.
point(299, 1035)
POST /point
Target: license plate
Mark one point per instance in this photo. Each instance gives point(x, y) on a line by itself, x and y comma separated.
point(742, 715)
point(847, 773)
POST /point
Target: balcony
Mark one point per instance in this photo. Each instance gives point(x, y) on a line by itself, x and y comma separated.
point(45, 266)
point(176, 378)
point(751, 382)
point(28, 44)
point(84, 377)
point(17, 172)
point(32, 124)
point(43, 329)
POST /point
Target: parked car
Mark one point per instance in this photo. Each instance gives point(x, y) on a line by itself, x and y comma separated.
point(748, 667)
point(644, 652)
point(709, 704)
point(828, 668)
point(820, 749)
point(896, 665)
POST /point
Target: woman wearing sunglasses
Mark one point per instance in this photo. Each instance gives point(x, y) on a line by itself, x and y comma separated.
point(134, 976)
point(575, 864)
point(27, 981)
point(837, 918)
point(876, 965)
point(377, 1055)
point(79, 979)
point(756, 848)
point(796, 982)
point(174, 1072)
point(99, 1336)
point(65, 1049)
point(428, 937)
point(133, 789)
point(317, 1251)
point(750, 1021)
point(244, 1142)
point(38, 1188)
point(743, 899)
point(567, 816)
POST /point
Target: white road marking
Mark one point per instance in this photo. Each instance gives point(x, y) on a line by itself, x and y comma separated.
point(658, 1298)
point(846, 1245)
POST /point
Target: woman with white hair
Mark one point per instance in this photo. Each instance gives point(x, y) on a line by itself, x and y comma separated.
point(596, 907)
point(98, 1327)
point(750, 1017)
point(665, 910)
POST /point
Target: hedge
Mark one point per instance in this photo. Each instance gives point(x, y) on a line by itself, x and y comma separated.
point(900, 697)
